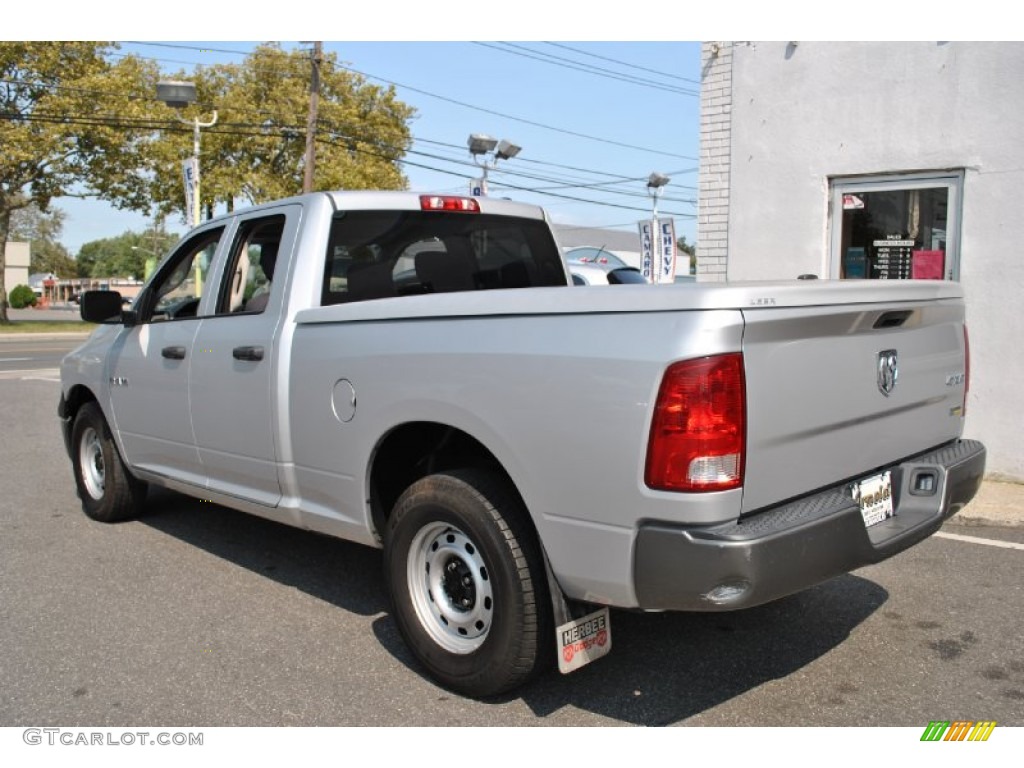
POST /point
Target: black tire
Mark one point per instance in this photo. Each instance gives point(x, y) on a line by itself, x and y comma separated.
point(108, 491)
point(467, 582)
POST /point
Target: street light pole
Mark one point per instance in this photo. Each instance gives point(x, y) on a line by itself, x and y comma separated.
point(196, 125)
point(481, 145)
point(655, 184)
point(178, 94)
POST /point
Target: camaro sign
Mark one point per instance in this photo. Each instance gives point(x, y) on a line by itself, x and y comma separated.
point(658, 250)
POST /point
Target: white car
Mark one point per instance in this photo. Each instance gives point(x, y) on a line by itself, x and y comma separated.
point(596, 273)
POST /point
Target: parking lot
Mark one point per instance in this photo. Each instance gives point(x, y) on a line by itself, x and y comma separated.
point(196, 615)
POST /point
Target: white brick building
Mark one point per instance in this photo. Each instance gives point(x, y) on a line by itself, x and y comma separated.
point(16, 261)
point(852, 160)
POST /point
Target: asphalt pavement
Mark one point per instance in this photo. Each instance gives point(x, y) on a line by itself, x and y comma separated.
point(197, 615)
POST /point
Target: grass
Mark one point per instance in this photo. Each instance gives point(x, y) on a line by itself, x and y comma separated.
point(47, 326)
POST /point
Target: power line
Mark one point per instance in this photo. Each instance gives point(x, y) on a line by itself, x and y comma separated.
point(623, 63)
point(289, 130)
point(562, 183)
point(460, 147)
point(560, 61)
point(525, 159)
point(509, 171)
point(186, 47)
point(466, 105)
point(514, 118)
point(143, 123)
point(450, 100)
point(505, 185)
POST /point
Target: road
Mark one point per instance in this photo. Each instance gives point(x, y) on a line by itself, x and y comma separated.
point(34, 354)
point(196, 615)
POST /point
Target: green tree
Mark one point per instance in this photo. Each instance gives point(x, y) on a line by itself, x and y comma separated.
point(255, 151)
point(22, 296)
point(53, 258)
point(688, 248)
point(42, 231)
point(76, 122)
point(72, 122)
point(124, 255)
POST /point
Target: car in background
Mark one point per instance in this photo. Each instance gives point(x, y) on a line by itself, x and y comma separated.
point(590, 273)
point(588, 254)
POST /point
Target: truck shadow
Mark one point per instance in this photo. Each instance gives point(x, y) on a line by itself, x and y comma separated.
point(667, 667)
point(339, 572)
point(664, 667)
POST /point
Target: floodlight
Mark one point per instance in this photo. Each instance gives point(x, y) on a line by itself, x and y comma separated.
point(507, 150)
point(481, 143)
point(176, 93)
point(657, 180)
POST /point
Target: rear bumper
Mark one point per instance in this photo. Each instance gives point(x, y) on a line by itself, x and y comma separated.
point(784, 549)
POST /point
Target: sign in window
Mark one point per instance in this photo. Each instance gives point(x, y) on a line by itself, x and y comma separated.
point(900, 227)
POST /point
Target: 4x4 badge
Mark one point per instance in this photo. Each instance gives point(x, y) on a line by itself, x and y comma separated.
point(888, 371)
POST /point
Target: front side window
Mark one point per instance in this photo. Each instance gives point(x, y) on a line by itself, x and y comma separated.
point(178, 286)
point(380, 254)
point(900, 227)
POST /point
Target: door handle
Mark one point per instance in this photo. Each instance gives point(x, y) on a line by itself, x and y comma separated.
point(173, 353)
point(251, 354)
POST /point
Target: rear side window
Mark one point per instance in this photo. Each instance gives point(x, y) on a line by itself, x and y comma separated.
point(248, 279)
point(379, 254)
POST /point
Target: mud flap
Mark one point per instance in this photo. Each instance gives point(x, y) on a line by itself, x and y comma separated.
point(579, 639)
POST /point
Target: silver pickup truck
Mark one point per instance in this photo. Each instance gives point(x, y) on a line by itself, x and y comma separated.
point(418, 373)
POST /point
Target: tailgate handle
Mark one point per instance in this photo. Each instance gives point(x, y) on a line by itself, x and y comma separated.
point(893, 319)
point(173, 353)
point(252, 354)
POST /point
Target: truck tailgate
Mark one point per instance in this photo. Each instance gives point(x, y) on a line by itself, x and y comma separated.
point(835, 392)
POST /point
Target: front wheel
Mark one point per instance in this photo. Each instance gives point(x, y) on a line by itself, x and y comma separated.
point(108, 492)
point(467, 582)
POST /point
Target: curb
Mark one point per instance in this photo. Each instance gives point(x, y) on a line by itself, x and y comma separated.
point(997, 503)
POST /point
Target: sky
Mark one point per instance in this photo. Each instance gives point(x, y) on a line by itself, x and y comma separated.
point(594, 120)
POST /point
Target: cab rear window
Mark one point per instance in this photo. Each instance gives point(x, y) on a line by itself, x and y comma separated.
point(380, 254)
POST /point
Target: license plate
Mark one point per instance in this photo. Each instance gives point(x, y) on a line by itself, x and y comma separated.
point(584, 640)
point(874, 495)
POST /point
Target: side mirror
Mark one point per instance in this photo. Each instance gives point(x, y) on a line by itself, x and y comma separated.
point(101, 307)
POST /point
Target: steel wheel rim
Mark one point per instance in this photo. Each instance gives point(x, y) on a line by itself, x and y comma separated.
point(90, 457)
point(450, 587)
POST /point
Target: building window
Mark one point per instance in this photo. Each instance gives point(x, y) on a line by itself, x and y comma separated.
point(896, 227)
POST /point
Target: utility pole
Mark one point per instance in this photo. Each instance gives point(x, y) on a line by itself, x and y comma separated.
point(314, 103)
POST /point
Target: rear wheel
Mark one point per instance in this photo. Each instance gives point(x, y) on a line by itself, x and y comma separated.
point(108, 492)
point(467, 582)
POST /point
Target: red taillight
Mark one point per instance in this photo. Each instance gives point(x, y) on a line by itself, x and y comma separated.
point(449, 203)
point(698, 433)
point(967, 369)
